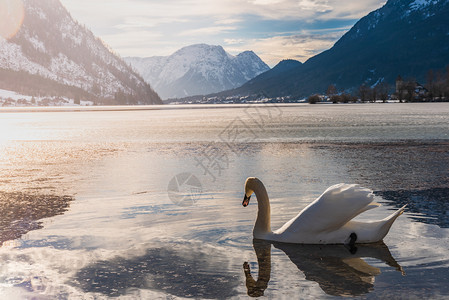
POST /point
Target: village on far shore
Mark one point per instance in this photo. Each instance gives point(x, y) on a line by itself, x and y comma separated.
point(408, 90)
point(405, 90)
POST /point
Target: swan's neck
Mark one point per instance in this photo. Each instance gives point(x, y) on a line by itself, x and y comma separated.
point(262, 226)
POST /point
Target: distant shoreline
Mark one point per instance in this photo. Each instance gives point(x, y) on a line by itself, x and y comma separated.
point(29, 109)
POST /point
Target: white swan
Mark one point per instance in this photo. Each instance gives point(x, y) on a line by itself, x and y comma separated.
point(327, 220)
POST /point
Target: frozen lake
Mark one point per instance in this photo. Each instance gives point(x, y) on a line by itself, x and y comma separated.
point(135, 203)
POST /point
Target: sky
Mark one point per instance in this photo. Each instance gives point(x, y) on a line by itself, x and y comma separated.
point(273, 29)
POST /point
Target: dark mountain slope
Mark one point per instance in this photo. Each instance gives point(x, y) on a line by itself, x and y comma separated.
point(53, 55)
point(404, 37)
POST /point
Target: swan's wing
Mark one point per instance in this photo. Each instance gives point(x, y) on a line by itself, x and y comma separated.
point(333, 209)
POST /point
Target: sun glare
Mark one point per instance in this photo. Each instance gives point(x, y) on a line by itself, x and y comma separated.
point(11, 17)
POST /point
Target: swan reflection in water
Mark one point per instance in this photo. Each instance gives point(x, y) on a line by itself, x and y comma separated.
point(339, 270)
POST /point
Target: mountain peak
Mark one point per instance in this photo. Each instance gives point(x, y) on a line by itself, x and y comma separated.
point(288, 63)
point(201, 47)
point(198, 69)
point(247, 53)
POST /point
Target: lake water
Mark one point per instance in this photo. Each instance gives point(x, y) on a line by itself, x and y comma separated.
point(136, 203)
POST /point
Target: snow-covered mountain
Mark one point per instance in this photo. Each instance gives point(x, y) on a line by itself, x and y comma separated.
point(407, 13)
point(54, 55)
point(198, 70)
point(403, 37)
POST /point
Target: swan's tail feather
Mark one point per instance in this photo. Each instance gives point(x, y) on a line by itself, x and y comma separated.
point(388, 221)
point(396, 214)
point(373, 231)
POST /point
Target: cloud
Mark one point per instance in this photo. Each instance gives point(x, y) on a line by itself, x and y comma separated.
point(228, 21)
point(288, 30)
point(141, 22)
point(234, 41)
point(207, 30)
point(226, 9)
point(317, 6)
point(266, 2)
point(299, 46)
point(134, 43)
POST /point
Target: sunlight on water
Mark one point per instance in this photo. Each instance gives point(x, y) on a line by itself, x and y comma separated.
point(86, 210)
point(11, 17)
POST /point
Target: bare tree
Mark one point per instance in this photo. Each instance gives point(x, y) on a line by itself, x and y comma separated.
point(331, 90)
point(430, 84)
point(410, 86)
point(364, 92)
point(439, 85)
point(382, 91)
point(447, 84)
point(313, 99)
point(373, 93)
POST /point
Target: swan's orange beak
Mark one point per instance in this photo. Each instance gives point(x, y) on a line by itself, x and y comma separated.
point(246, 201)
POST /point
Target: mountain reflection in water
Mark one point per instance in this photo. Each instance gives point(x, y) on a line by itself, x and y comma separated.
point(338, 270)
point(21, 213)
point(430, 205)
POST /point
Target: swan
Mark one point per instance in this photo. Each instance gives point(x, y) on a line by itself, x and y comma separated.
point(327, 220)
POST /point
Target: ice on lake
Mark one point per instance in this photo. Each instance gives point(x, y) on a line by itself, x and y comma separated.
point(147, 203)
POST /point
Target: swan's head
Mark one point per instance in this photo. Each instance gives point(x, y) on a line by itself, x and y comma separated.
point(250, 184)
